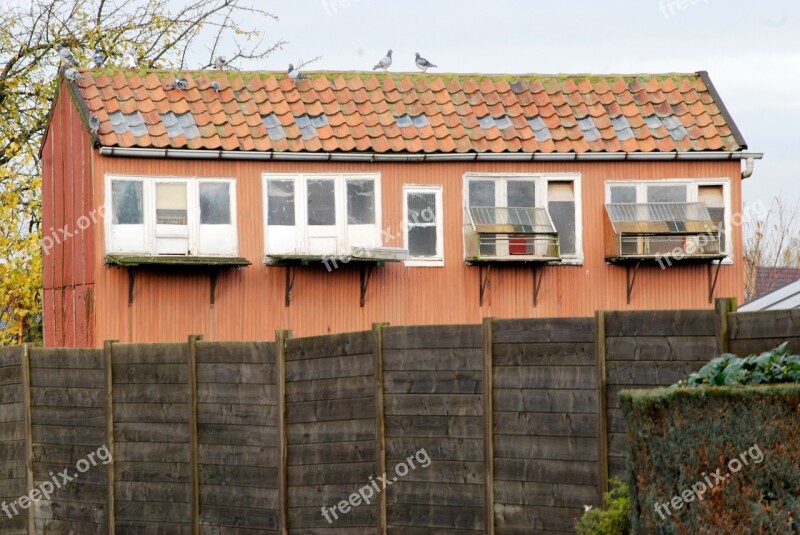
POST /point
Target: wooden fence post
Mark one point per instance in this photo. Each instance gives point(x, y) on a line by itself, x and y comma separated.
point(723, 307)
point(380, 425)
point(25, 361)
point(602, 408)
point(108, 357)
point(194, 463)
point(488, 421)
point(283, 445)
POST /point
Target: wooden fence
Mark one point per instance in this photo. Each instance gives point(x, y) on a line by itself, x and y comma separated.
point(519, 418)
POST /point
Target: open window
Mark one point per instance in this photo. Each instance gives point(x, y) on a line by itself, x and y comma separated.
point(175, 216)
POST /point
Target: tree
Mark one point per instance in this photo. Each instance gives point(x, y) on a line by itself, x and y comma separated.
point(771, 244)
point(160, 33)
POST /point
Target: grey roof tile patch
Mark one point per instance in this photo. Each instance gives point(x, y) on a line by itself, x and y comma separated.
point(404, 121)
point(503, 122)
point(622, 127)
point(190, 130)
point(487, 122)
point(118, 122)
point(136, 124)
point(420, 121)
point(540, 129)
point(653, 122)
point(319, 120)
point(273, 125)
point(302, 121)
point(590, 131)
point(308, 132)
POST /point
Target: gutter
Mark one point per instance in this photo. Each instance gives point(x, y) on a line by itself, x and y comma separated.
point(205, 154)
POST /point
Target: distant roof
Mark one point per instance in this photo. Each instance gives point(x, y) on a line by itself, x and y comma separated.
point(781, 299)
point(410, 113)
point(769, 279)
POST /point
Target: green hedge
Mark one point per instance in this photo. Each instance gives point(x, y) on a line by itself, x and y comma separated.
point(677, 440)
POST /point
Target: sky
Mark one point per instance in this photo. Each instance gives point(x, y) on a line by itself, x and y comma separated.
point(751, 51)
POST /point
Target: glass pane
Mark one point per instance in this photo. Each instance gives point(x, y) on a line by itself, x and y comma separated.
point(563, 215)
point(422, 241)
point(481, 193)
point(360, 202)
point(623, 194)
point(126, 200)
point(280, 202)
point(321, 202)
point(215, 204)
point(171, 204)
point(718, 218)
point(666, 193)
point(421, 208)
point(521, 194)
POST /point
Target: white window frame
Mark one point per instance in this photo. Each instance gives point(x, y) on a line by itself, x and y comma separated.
point(541, 181)
point(692, 195)
point(344, 245)
point(149, 212)
point(429, 261)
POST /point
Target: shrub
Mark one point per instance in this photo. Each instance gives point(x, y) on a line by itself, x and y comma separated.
point(614, 518)
point(772, 367)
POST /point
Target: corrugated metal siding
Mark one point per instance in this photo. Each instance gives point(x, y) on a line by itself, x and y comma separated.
point(66, 196)
point(250, 301)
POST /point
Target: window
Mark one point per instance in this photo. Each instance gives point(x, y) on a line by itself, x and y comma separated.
point(714, 193)
point(171, 216)
point(423, 228)
point(321, 214)
point(558, 194)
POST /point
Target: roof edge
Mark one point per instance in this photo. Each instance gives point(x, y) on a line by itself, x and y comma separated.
point(737, 134)
point(189, 154)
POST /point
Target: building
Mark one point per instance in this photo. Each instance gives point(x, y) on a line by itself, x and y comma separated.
point(353, 198)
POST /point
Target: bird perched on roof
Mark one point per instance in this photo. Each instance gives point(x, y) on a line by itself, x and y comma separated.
point(215, 87)
point(72, 74)
point(94, 124)
point(295, 74)
point(128, 61)
point(179, 83)
point(220, 62)
point(98, 57)
point(66, 55)
point(385, 63)
point(423, 64)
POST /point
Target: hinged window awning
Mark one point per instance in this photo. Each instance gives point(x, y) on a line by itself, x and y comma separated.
point(502, 220)
point(659, 218)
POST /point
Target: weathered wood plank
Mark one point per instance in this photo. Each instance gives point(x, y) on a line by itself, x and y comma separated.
point(236, 352)
point(154, 512)
point(148, 374)
point(151, 412)
point(88, 359)
point(545, 400)
point(78, 436)
point(336, 345)
point(240, 517)
point(564, 448)
point(260, 497)
point(434, 382)
point(341, 452)
point(329, 368)
point(434, 404)
point(744, 347)
point(236, 373)
point(661, 323)
point(544, 377)
point(246, 435)
point(439, 449)
point(432, 337)
point(238, 455)
point(435, 426)
point(83, 416)
point(353, 474)
point(303, 518)
point(533, 520)
point(257, 415)
point(151, 432)
point(67, 397)
point(427, 493)
point(546, 354)
point(546, 424)
point(550, 330)
point(70, 378)
point(163, 491)
point(241, 476)
point(662, 348)
point(436, 516)
point(330, 389)
point(334, 431)
point(641, 373)
point(764, 324)
point(433, 359)
point(546, 471)
point(545, 494)
point(330, 410)
point(151, 472)
point(236, 394)
point(169, 353)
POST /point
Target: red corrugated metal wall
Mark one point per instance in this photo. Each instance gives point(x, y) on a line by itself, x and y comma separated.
point(250, 301)
point(67, 195)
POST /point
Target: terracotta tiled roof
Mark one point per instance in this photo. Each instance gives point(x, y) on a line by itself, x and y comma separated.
point(447, 113)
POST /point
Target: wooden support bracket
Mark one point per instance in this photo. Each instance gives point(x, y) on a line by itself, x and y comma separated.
point(712, 284)
point(631, 281)
point(484, 280)
point(291, 273)
point(365, 273)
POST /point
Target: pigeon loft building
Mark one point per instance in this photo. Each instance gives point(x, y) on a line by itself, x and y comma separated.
point(242, 203)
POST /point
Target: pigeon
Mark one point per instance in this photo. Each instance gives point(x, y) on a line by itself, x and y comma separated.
point(220, 62)
point(215, 87)
point(296, 75)
point(94, 124)
point(423, 64)
point(71, 74)
point(128, 61)
point(179, 83)
point(66, 55)
point(385, 63)
point(99, 58)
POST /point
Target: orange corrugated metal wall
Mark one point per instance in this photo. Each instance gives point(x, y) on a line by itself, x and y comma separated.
point(67, 194)
point(250, 301)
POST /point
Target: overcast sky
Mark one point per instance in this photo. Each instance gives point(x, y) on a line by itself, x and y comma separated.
point(751, 50)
